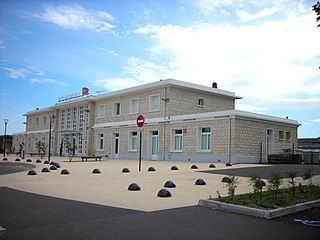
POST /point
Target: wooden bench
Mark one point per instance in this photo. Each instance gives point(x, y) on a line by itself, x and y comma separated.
point(36, 154)
point(91, 157)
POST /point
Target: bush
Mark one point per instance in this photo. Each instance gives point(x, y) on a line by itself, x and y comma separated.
point(274, 183)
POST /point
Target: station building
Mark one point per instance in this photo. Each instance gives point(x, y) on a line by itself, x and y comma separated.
point(183, 121)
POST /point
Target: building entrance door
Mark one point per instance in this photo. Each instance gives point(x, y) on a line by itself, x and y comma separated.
point(116, 145)
point(154, 144)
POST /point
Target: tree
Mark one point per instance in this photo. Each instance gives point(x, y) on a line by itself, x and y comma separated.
point(316, 9)
point(42, 148)
point(70, 149)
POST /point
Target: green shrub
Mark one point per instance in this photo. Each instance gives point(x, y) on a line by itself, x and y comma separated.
point(274, 183)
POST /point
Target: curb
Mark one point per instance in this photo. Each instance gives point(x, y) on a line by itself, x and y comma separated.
point(268, 214)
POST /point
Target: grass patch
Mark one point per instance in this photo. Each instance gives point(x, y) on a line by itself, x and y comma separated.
point(268, 200)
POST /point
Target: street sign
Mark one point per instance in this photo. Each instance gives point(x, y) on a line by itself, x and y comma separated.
point(140, 121)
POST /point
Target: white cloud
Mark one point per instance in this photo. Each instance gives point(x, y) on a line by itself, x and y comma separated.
point(316, 120)
point(32, 74)
point(245, 16)
point(264, 63)
point(76, 17)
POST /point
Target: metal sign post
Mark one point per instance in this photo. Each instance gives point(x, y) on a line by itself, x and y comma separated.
point(140, 123)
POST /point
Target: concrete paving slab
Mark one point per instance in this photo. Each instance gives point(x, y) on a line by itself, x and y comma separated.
point(110, 187)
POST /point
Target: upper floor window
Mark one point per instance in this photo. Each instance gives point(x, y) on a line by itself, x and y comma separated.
point(154, 103)
point(116, 109)
point(204, 139)
point(37, 122)
point(288, 136)
point(201, 102)
point(176, 140)
point(44, 120)
point(281, 135)
point(101, 111)
point(134, 106)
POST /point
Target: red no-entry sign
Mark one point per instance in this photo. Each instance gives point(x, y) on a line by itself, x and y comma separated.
point(140, 121)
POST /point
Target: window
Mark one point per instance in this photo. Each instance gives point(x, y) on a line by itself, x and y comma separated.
point(37, 122)
point(154, 103)
point(100, 142)
point(134, 106)
point(177, 138)
point(116, 109)
point(288, 136)
point(281, 135)
point(133, 138)
point(201, 102)
point(204, 139)
point(44, 120)
point(101, 111)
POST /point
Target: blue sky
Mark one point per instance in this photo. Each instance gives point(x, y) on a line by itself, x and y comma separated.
point(268, 52)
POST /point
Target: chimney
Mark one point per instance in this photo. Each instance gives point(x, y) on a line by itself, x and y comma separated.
point(214, 85)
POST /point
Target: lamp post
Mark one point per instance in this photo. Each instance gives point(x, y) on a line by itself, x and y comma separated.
point(51, 119)
point(5, 136)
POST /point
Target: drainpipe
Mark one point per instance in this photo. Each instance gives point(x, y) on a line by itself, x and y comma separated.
point(229, 141)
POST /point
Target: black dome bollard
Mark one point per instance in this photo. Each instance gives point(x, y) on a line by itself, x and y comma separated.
point(164, 193)
point(65, 171)
point(52, 163)
point(53, 167)
point(226, 180)
point(29, 160)
point(151, 169)
point(125, 170)
point(5, 159)
point(229, 165)
point(38, 161)
point(57, 165)
point(200, 182)
point(45, 170)
point(194, 167)
point(212, 165)
point(96, 171)
point(32, 172)
point(169, 184)
point(17, 160)
point(174, 168)
point(46, 162)
point(134, 187)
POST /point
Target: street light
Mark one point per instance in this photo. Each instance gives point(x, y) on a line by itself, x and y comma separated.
point(5, 135)
point(51, 119)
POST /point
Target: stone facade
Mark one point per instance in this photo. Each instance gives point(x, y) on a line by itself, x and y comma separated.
point(184, 122)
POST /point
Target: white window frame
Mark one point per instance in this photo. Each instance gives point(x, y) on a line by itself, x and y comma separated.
point(288, 136)
point(281, 137)
point(201, 102)
point(152, 108)
point(100, 137)
point(131, 137)
point(173, 139)
point(209, 139)
point(101, 111)
point(114, 108)
point(131, 106)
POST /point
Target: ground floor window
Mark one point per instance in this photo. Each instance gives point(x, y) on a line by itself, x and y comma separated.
point(100, 142)
point(204, 139)
point(176, 140)
point(133, 137)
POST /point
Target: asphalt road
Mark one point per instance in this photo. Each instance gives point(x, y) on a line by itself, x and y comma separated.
point(31, 216)
point(10, 167)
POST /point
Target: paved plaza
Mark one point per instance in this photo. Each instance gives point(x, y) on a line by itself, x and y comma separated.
point(110, 187)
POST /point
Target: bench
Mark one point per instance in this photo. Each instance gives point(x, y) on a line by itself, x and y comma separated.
point(91, 157)
point(36, 154)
